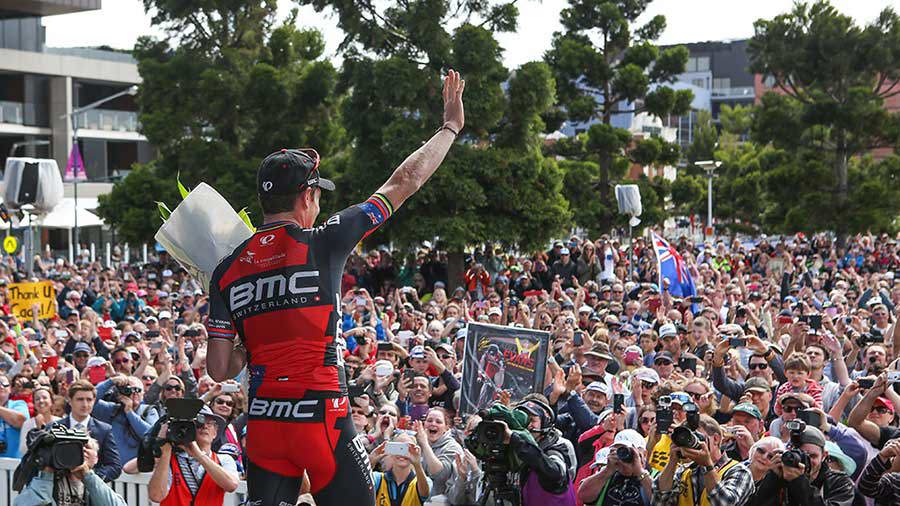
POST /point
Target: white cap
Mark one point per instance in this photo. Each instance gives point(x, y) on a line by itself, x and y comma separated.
point(604, 415)
point(585, 309)
point(601, 457)
point(167, 273)
point(646, 374)
point(109, 324)
point(667, 330)
point(96, 361)
point(165, 314)
point(564, 251)
point(384, 368)
point(630, 438)
point(598, 386)
point(495, 311)
point(635, 349)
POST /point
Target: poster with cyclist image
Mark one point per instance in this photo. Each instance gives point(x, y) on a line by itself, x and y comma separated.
point(501, 358)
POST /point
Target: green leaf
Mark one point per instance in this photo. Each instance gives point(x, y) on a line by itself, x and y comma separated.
point(244, 216)
point(164, 211)
point(181, 189)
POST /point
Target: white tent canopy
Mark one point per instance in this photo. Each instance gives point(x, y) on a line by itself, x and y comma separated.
point(63, 215)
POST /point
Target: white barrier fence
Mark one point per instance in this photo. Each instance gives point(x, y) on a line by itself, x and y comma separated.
point(132, 487)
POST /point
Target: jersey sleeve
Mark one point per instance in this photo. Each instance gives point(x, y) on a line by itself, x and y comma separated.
point(345, 229)
point(219, 324)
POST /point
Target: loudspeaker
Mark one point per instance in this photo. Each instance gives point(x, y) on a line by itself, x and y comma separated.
point(628, 197)
point(35, 181)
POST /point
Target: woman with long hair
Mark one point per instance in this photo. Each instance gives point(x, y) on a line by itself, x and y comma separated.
point(43, 415)
point(228, 405)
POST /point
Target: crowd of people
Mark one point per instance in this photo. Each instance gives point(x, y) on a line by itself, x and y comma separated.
point(774, 383)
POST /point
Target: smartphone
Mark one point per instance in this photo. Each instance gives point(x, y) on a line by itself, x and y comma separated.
point(618, 403)
point(105, 333)
point(60, 334)
point(97, 374)
point(810, 417)
point(865, 383)
point(785, 319)
point(70, 376)
point(664, 414)
point(155, 346)
point(696, 299)
point(687, 364)
point(152, 333)
point(384, 369)
point(737, 342)
point(408, 374)
point(893, 377)
point(354, 391)
point(385, 346)
point(229, 388)
point(532, 293)
point(397, 448)
point(578, 338)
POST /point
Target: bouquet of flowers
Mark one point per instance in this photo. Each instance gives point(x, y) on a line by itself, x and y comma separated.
point(202, 230)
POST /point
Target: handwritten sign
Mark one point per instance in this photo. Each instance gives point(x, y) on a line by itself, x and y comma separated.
point(22, 296)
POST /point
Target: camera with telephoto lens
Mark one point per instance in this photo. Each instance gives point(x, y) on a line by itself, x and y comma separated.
point(486, 444)
point(486, 441)
point(112, 395)
point(794, 456)
point(625, 454)
point(874, 336)
point(183, 418)
point(686, 435)
point(59, 448)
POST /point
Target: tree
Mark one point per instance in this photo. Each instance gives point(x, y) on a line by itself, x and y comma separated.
point(604, 67)
point(495, 184)
point(223, 90)
point(831, 79)
point(706, 137)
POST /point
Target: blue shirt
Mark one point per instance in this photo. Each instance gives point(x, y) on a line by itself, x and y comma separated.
point(11, 434)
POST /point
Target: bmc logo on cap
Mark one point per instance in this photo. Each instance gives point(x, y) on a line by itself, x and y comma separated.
point(267, 185)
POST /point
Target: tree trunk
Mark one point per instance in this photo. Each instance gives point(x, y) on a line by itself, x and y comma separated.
point(455, 270)
point(841, 162)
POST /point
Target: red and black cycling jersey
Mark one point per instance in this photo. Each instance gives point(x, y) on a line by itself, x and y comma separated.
point(279, 292)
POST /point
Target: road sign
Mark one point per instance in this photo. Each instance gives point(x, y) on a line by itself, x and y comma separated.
point(10, 244)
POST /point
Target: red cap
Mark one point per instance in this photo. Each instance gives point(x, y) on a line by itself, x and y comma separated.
point(886, 403)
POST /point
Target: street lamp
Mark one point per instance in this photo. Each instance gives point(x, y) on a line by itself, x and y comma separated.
point(131, 90)
point(709, 166)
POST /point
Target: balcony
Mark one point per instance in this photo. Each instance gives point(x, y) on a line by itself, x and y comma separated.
point(109, 120)
point(739, 92)
point(12, 112)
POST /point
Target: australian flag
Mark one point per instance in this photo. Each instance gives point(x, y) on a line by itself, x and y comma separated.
point(671, 265)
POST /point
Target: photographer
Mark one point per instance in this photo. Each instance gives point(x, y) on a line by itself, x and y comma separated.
point(77, 486)
point(624, 478)
point(119, 404)
point(810, 482)
point(881, 478)
point(709, 477)
point(549, 465)
point(193, 473)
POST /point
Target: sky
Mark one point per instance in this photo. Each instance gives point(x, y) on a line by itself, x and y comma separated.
point(120, 22)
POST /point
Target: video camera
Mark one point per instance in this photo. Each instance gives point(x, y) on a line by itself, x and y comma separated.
point(687, 435)
point(57, 447)
point(486, 444)
point(183, 417)
point(794, 456)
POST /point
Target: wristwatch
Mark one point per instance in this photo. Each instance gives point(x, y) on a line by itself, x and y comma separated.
point(644, 475)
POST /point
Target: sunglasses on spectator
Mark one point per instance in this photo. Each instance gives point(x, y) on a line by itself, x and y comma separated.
point(444, 356)
point(648, 384)
point(4, 385)
point(881, 410)
point(790, 408)
point(173, 387)
point(763, 453)
point(696, 396)
point(225, 402)
point(148, 378)
point(122, 360)
point(761, 366)
point(647, 420)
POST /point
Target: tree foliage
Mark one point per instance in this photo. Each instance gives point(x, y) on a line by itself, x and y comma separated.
point(605, 66)
point(826, 111)
point(221, 91)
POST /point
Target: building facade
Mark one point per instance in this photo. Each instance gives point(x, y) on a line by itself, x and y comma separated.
point(43, 88)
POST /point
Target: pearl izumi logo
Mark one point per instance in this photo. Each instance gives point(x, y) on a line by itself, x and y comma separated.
point(267, 185)
point(272, 292)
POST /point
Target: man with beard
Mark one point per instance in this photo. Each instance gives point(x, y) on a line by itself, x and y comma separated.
point(874, 362)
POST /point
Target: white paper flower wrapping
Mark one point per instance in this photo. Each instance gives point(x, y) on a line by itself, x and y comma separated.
point(201, 231)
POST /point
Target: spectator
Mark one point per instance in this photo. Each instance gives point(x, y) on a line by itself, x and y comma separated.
point(404, 480)
point(118, 404)
point(439, 449)
point(43, 415)
point(12, 416)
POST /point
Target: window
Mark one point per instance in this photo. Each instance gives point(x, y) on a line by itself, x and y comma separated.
point(721, 83)
point(702, 63)
point(700, 83)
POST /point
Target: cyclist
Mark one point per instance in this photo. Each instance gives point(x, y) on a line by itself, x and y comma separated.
point(275, 307)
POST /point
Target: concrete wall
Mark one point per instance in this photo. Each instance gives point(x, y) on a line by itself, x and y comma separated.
point(70, 66)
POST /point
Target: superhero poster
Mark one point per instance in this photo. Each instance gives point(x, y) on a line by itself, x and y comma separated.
point(501, 358)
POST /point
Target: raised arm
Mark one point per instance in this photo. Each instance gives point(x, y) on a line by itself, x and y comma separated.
point(419, 166)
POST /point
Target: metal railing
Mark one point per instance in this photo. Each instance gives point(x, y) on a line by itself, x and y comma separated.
point(108, 119)
point(132, 487)
point(738, 92)
point(12, 112)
